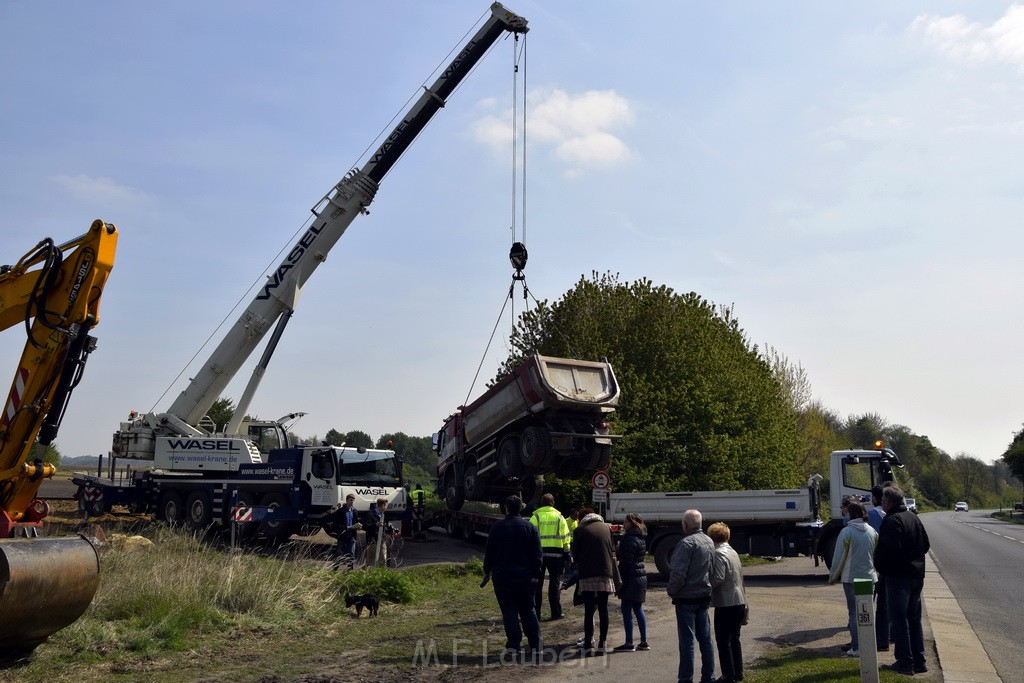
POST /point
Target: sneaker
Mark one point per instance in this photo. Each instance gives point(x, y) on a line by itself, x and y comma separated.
point(852, 652)
point(643, 646)
point(921, 669)
point(846, 647)
point(599, 650)
point(883, 648)
point(625, 647)
point(583, 644)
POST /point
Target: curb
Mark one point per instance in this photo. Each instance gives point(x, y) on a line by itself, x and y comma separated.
point(962, 658)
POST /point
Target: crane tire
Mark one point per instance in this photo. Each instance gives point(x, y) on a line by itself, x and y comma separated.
point(198, 512)
point(170, 510)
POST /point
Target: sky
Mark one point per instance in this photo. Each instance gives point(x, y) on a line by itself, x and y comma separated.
point(846, 176)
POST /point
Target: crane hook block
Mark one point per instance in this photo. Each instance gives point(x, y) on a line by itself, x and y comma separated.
point(517, 255)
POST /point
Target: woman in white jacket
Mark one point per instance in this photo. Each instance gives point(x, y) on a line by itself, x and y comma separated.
point(854, 559)
point(729, 599)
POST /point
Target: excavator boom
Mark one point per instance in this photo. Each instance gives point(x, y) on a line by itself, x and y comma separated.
point(54, 290)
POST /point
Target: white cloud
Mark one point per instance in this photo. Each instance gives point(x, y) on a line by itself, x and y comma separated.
point(580, 128)
point(99, 190)
point(960, 38)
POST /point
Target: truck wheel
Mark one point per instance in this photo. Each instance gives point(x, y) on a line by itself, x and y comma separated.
point(532, 490)
point(276, 532)
point(826, 548)
point(474, 484)
point(663, 554)
point(601, 456)
point(451, 525)
point(535, 447)
point(171, 511)
point(198, 514)
point(509, 461)
point(454, 497)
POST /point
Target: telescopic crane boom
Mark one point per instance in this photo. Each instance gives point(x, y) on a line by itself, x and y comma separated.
point(146, 436)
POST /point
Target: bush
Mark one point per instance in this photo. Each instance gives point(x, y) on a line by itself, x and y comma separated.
point(386, 584)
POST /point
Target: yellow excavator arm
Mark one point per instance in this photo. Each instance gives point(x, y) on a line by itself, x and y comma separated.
point(54, 291)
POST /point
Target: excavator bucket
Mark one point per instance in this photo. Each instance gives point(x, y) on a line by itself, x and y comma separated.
point(45, 585)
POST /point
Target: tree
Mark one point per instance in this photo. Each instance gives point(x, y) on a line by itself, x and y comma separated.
point(51, 455)
point(1014, 455)
point(221, 412)
point(334, 438)
point(700, 407)
point(969, 470)
point(358, 439)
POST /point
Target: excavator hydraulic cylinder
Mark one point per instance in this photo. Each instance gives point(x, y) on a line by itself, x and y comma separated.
point(45, 585)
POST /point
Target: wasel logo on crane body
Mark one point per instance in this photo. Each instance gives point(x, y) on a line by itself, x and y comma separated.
point(274, 281)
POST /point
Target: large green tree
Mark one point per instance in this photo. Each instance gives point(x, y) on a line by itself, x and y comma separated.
point(1014, 455)
point(700, 407)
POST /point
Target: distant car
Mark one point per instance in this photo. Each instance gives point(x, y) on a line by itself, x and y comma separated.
point(911, 504)
point(1018, 506)
point(961, 506)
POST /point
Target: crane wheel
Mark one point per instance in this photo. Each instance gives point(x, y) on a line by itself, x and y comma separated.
point(277, 532)
point(171, 511)
point(45, 585)
point(198, 514)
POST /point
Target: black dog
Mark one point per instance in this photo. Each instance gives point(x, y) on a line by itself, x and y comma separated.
point(367, 600)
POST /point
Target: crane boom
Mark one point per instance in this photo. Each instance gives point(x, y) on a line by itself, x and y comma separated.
point(332, 216)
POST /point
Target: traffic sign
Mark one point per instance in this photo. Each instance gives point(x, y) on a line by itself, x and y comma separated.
point(600, 496)
point(601, 480)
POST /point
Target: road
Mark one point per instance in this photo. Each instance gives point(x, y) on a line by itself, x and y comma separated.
point(981, 560)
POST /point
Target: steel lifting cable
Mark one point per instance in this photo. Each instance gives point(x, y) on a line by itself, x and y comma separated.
point(517, 254)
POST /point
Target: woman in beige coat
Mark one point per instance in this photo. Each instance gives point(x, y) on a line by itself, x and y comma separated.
point(729, 601)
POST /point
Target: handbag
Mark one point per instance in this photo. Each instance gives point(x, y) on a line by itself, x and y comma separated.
point(577, 597)
point(746, 615)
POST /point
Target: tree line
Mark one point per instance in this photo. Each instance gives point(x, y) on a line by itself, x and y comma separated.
point(704, 408)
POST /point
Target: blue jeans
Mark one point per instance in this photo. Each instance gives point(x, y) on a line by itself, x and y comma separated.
point(851, 611)
point(629, 608)
point(515, 598)
point(692, 621)
point(903, 598)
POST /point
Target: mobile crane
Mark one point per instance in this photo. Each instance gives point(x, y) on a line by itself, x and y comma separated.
point(198, 466)
point(45, 583)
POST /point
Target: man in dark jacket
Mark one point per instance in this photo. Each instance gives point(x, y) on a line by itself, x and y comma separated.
point(899, 557)
point(513, 556)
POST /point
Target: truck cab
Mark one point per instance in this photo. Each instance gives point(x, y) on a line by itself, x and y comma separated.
point(854, 473)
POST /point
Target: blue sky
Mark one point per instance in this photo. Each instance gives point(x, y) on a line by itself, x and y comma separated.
point(846, 176)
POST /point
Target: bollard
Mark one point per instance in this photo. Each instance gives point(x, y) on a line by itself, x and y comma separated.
point(863, 590)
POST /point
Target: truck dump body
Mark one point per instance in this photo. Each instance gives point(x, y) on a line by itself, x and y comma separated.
point(547, 415)
point(541, 383)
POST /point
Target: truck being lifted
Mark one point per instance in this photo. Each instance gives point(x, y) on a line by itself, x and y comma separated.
point(197, 467)
point(776, 523)
point(547, 415)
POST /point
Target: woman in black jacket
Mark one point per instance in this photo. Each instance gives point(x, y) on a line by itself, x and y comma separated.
point(631, 552)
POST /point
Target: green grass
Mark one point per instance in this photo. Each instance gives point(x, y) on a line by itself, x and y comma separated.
point(800, 666)
point(185, 610)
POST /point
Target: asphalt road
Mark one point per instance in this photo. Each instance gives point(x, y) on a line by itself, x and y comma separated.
point(982, 560)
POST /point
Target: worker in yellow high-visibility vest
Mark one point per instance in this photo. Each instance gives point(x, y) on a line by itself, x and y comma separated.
point(554, 542)
point(573, 520)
